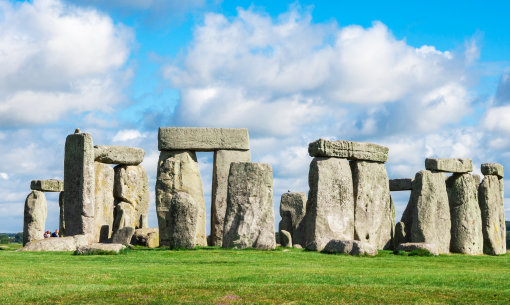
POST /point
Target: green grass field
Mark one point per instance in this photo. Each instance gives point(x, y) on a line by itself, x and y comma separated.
point(217, 276)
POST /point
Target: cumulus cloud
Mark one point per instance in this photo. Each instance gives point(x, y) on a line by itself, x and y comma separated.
point(128, 135)
point(58, 59)
point(277, 76)
point(4, 176)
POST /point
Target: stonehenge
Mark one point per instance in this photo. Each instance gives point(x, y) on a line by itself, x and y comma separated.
point(104, 200)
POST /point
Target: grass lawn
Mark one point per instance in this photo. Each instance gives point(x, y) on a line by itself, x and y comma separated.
point(217, 276)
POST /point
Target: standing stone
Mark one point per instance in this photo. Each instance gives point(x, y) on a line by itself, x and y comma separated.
point(183, 221)
point(124, 216)
point(147, 237)
point(222, 160)
point(285, 239)
point(61, 220)
point(79, 185)
point(330, 206)
point(132, 185)
point(178, 172)
point(34, 219)
point(292, 211)
point(400, 236)
point(490, 198)
point(123, 236)
point(373, 219)
point(429, 211)
point(104, 177)
point(466, 230)
point(249, 218)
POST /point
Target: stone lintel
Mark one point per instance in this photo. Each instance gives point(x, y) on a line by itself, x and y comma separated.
point(50, 185)
point(348, 150)
point(202, 138)
point(449, 165)
point(403, 184)
point(493, 169)
point(122, 155)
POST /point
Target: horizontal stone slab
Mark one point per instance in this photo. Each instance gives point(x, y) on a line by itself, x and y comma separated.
point(493, 169)
point(449, 165)
point(122, 155)
point(348, 150)
point(203, 139)
point(404, 184)
point(50, 185)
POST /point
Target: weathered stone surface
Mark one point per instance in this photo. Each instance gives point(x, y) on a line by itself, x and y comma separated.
point(69, 243)
point(449, 165)
point(61, 220)
point(349, 150)
point(132, 185)
point(183, 221)
point(122, 155)
point(408, 247)
point(466, 229)
point(79, 185)
point(493, 169)
point(124, 216)
point(221, 167)
point(34, 219)
point(400, 234)
point(50, 185)
point(490, 199)
point(476, 180)
point(202, 139)
point(100, 247)
point(249, 218)
point(104, 176)
point(178, 172)
point(373, 218)
point(292, 211)
point(285, 239)
point(427, 216)
point(148, 237)
point(330, 206)
point(123, 236)
point(351, 247)
point(404, 184)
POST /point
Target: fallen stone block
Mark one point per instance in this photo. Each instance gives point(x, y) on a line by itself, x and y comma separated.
point(348, 150)
point(202, 139)
point(285, 239)
point(403, 184)
point(50, 185)
point(123, 236)
point(292, 211)
point(34, 218)
point(450, 165)
point(183, 221)
point(69, 243)
point(490, 199)
point(351, 247)
point(147, 237)
point(408, 247)
point(493, 169)
point(249, 218)
point(99, 247)
point(122, 155)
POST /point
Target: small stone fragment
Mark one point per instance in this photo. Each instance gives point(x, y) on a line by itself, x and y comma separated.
point(493, 169)
point(50, 185)
point(408, 247)
point(104, 177)
point(285, 239)
point(183, 221)
point(61, 220)
point(147, 237)
point(351, 247)
point(403, 184)
point(123, 236)
point(449, 165)
point(349, 150)
point(34, 219)
point(292, 211)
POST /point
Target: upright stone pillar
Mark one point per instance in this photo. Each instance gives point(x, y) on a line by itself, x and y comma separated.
point(61, 219)
point(373, 215)
point(183, 221)
point(132, 186)
point(221, 167)
point(292, 211)
point(178, 172)
point(104, 177)
point(34, 219)
point(466, 230)
point(79, 185)
point(330, 206)
point(249, 218)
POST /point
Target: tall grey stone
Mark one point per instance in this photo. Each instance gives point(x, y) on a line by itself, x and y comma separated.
point(428, 211)
point(466, 230)
point(61, 220)
point(122, 155)
point(249, 218)
point(221, 167)
point(79, 185)
point(124, 216)
point(202, 139)
point(123, 236)
point(330, 206)
point(183, 221)
point(373, 218)
point(490, 198)
point(178, 172)
point(292, 212)
point(349, 150)
point(104, 177)
point(50, 185)
point(34, 219)
point(132, 185)
point(449, 165)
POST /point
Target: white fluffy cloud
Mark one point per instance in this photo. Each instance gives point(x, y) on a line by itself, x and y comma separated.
point(58, 59)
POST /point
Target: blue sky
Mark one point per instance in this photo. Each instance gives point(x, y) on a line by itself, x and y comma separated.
point(425, 78)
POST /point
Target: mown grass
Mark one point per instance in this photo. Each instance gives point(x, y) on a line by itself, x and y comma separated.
point(283, 276)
